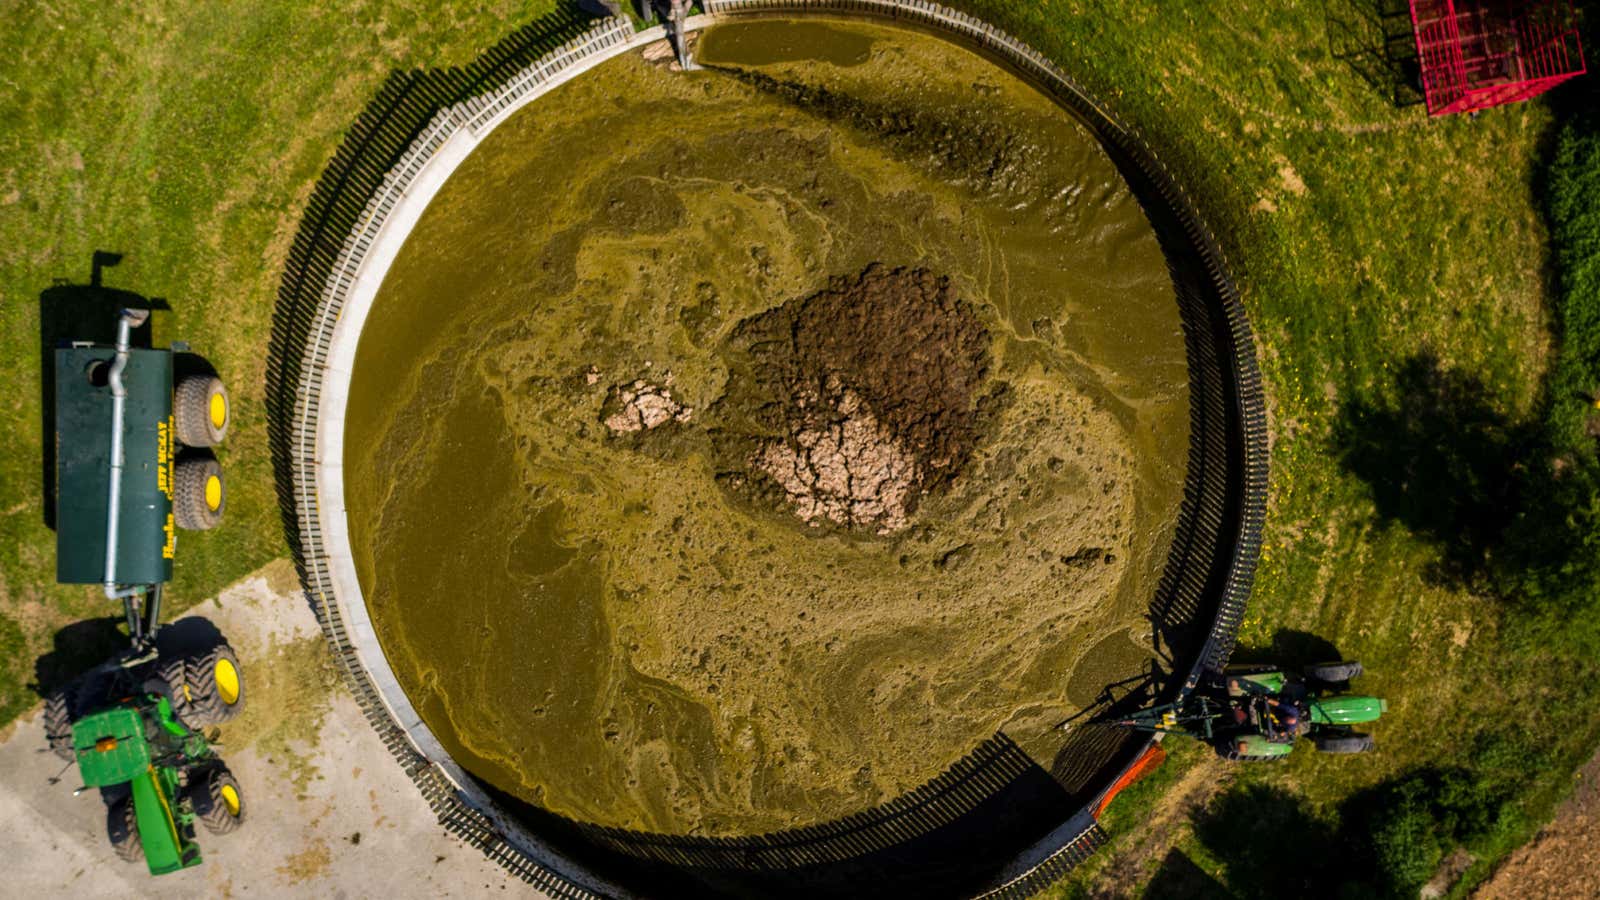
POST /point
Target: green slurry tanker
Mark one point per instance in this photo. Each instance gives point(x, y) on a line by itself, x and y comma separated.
point(134, 724)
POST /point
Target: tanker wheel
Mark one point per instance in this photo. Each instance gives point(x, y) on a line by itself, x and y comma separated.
point(123, 828)
point(215, 687)
point(198, 494)
point(1344, 743)
point(58, 723)
point(201, 411)
point(218, 803)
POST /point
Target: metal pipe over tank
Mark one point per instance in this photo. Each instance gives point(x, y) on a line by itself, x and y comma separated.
point(676, 15)
point(129, 320)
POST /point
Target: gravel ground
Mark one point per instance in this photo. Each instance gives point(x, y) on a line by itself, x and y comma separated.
point(330, 812)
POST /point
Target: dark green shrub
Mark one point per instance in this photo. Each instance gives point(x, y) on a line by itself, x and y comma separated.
point(1573, 208)
point(1552, 555)
point(1404, 836)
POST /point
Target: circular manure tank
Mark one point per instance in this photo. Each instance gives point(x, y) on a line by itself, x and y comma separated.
point(724, 483)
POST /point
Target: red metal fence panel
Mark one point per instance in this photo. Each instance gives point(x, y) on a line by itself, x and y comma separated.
point(1475, 54)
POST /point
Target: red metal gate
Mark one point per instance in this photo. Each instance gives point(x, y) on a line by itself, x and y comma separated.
point(1481, 53)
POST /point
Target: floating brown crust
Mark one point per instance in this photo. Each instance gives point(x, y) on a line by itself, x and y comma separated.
point(641, 406)
point(851, 404)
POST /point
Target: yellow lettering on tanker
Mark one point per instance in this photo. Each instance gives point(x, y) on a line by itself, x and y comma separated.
point(164, 457)
point(171, 545)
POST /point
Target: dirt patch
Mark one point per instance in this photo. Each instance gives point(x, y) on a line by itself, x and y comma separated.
point(1450, 871)
point(1564, 860)
point(289, 689)
point(1125, 867)
point(849, 405)
point(310, 864)
point(1292, 181)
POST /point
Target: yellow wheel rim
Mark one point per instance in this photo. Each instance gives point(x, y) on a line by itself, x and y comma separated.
point(230, 799)
point(219, 410)
point(227, 678)
point(214, 492)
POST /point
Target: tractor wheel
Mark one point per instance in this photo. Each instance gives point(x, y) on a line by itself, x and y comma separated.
point(198, 494)
point(58, 723)
point(123, 828)
point(1344, 743)
point(1334, 672)
point(200, 410)
point(215, 687)
point(174, 673)
point(217, 801)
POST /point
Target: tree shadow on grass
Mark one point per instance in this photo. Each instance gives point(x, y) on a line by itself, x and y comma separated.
point(1374, 39)
point(1385, 841)
point(1292, 650)
point(1179, 877)
point(1440, 458)
point(1268, 844)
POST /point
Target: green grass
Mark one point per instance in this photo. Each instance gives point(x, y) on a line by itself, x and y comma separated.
point(1369, 242)
point(187, 138)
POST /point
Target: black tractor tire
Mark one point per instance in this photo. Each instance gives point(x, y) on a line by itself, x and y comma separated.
point(174, 673)
point(122, 826)
point(1334, 672)
point(193, 402)
point(197, 503)
point(215, 687)
point(58, 710)
point(218, 802)
point(1344, 743)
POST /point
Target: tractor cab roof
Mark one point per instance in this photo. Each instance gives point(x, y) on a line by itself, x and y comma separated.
point(111, 747)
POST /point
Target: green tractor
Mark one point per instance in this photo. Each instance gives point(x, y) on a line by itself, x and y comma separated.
point(135, 733)
point(134, 724)
point(1257, 713)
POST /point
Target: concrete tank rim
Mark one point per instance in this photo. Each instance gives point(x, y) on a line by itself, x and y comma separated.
point(347, 602)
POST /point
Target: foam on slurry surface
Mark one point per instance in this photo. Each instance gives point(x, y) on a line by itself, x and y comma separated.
point(734, 450)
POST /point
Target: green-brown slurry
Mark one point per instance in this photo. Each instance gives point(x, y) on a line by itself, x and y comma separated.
point(1297, 159)
point(589, 617)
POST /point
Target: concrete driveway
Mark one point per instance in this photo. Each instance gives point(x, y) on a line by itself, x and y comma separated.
point(330, 813)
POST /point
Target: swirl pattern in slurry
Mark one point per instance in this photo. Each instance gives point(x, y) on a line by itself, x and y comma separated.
point(595, 621)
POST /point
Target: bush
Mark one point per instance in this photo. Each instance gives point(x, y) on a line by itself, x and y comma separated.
point(1573, 208)
point(1403, 829)
point(1553, 551)
point(1549, 568)
point(1405, 840)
